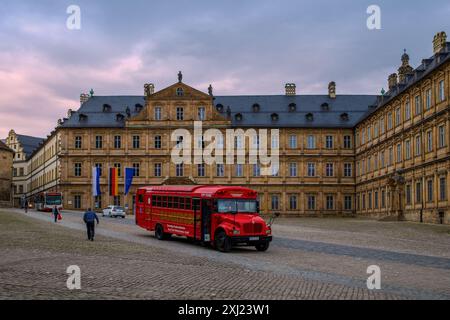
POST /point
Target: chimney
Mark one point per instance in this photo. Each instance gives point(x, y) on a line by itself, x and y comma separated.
point(439, 42)
point(84, 97)
point(392, 81)
point(149, 89)
point(332, 90)
point(290, 89)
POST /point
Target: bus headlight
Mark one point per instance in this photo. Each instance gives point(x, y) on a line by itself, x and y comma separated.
point(268, 231)
point(235, 232)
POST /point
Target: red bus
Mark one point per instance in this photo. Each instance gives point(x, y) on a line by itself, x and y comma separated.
point(45, 201)
point(218, 215)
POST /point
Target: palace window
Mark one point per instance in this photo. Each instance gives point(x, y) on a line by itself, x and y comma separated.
point(330, 202)
point(201, 113)
point(347, 169)
point(311, 202)
point(429, 141)
point(78, 142)
point(118, 165)
point(441, 130)
point(117, 142)
point(329, 142)
point(77, 202)
point(369, 198)
point(383, 198)
point(311, 142)
point(441, 91)
point(382, 125)
point(418, 145)
point(158, 143)
point(77, 169)
point(382, 157)
point(347, 142)
point(220, 170)
point(158, 114)
point(275, 170)
point(256, 170)
point(399, 152)
point(293, 169)
point(369, 133)
point(275, 204)
point(293, 202)
point(158, 170)
point(293, 141)
point(311, 169)
point(391, 157)
point(408, 194)
point(329, 170)
point(375, 200)
point(201, 170)
point(348, 202)
point(407, 110)
point(180, 92)
point(417, 105)
point(180, 113)
point(179, 170)
point(398, 116)
point(442, 189)
point(136, 142)
point(428, 99)
point(98, 142)
point(408, 149)
point(430, 190)
point(389, 125)
point(239, 170)
point(136, 169)
point(418, 192)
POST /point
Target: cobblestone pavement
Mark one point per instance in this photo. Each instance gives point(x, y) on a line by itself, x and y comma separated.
point(309, 259)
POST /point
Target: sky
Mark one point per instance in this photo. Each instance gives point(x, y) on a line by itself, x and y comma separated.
point(238, 46)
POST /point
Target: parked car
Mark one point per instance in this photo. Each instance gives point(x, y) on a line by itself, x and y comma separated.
point(114, 212)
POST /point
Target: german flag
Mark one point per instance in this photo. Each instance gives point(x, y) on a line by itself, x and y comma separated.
point(113, 182)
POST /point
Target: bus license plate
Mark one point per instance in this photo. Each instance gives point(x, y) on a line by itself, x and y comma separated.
point(254, 238)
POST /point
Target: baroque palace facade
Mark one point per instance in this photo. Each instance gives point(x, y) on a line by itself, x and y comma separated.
point(380, 156)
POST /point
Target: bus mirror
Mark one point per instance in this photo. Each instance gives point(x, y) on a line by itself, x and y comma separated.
point(272, 218)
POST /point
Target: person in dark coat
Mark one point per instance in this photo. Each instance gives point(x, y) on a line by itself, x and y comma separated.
point(55, 212)
point(89, 218)
point(26, 206)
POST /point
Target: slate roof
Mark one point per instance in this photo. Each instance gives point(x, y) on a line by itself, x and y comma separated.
point(29, 143)
point(355, 106)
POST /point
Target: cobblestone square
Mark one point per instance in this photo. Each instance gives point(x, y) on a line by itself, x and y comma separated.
point(309, 259)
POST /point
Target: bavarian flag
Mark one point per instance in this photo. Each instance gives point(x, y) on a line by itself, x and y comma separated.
point(113, 182)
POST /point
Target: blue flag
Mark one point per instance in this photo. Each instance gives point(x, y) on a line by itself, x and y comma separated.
point(129, 174)
point(96, 182)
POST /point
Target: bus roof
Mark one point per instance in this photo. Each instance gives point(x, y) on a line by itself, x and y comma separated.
point(200, 189)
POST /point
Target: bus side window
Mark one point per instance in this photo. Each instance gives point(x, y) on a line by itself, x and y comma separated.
point(188, 203)
point(154, 201)
point(141, 198)
point(169, 202)
point(196, 204)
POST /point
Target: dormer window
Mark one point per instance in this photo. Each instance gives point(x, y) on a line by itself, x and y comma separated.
point(82, 117)
point(138, 107)
point(180, 92)
point(292, 107)
point(219, 107)
point(120, 117)
point(128, 112)
point(309, 117)
point(344, 116)
point(325, 106)
point(256, 107)
point(238, 117)
point(274, 116)
point(107, 108)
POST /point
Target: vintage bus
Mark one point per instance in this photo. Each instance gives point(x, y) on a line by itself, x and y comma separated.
point(223, 216)
point(45, 201)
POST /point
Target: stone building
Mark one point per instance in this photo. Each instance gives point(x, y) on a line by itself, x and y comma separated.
point(379, 156)
point(6, 161)
point(23, 147)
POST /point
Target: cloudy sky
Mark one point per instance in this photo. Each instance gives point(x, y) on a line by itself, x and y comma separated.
point(239, 46)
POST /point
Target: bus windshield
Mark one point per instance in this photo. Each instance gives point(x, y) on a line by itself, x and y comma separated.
point(236, 206)
point(53, 200)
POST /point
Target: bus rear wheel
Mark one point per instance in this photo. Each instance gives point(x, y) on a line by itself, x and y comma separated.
point(160, 234)
point(222, 242)
point(263, 246)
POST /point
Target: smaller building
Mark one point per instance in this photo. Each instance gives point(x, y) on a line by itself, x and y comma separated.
point(6, 165)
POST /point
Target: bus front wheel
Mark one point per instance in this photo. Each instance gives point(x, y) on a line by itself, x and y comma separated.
point(222, 242)
point(263, 246)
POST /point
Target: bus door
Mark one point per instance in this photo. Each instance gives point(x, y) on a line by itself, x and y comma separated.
point(206, 220)
point(147, 210)
point(197, 218)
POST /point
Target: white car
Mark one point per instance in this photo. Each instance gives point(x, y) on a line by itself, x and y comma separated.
point(114, 212)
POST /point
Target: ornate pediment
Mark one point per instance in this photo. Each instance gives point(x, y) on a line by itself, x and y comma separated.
point(179, 91)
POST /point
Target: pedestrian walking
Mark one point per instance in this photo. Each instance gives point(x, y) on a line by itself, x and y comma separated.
point(89, 219)
point(55, 212)
point(26, 206)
